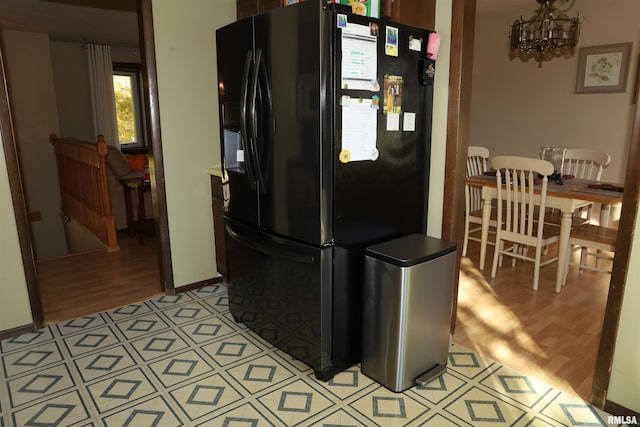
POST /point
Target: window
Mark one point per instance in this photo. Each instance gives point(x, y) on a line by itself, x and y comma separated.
point(129, 107)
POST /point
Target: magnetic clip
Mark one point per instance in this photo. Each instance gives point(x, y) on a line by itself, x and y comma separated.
point(427, 72)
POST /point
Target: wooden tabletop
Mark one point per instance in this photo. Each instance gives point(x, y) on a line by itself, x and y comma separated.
point(571, 188)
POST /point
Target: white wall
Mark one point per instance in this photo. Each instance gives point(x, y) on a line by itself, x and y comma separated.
point(624, 386)
point(188, 94)
point(35, 115)
point(439, 126)
point(14, 303)
point(71, 77)
point(517, 106)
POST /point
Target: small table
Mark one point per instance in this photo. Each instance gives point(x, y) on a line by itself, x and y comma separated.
point(140, 186)
point(568, 197)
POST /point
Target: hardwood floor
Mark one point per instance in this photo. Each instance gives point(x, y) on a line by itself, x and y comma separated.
point(77, 285)
point(553, 337)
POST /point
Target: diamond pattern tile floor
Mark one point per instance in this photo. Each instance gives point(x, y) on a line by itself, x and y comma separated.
point(182, 361)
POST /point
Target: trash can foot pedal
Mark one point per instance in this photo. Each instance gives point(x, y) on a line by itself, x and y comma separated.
point(432, 373)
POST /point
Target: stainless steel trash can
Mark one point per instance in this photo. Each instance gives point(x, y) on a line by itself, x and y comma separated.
point(407, 311)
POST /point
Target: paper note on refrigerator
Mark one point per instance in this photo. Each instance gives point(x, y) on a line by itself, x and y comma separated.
point(359, 66)
point(409, 122)
point(359, 124)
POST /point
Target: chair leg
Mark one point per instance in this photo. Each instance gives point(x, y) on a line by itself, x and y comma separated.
point(584, 255)
point(496, 254)
point(466, 235)
point(565, 268)
point(536, 268)
point(524, 251)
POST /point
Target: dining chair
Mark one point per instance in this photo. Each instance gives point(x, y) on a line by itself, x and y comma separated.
point(477, 158)
point(585, 164)
point(590, 236)
point(580, 163)
point(521, 211)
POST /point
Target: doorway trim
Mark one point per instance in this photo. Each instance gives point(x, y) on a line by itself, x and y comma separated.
point(145, 25)
point(462, 40)
point(19, 202)
point(156, 159)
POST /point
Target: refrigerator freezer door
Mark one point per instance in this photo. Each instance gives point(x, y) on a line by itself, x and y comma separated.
point(235, 64)
point(282, 291)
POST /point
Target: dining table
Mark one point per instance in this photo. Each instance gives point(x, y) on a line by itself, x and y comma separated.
point(567, 196)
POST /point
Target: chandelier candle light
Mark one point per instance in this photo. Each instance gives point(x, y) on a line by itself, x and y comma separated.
point(547, 34)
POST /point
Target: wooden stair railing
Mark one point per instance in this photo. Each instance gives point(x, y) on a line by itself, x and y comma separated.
point(84, 190)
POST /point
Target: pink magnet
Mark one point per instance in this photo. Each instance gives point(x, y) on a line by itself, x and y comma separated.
point(433, 46)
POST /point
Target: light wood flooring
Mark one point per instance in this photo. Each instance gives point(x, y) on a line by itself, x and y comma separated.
point(76, 285)
point(553, 337)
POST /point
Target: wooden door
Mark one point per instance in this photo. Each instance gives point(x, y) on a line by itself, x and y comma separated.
point(245, 8)
point(419, 13)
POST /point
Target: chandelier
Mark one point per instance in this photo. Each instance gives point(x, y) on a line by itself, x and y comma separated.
point(547, 34)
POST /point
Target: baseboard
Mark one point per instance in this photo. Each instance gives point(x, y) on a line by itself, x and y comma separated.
point(198, 285)
point(628, 416)
point(10, 333)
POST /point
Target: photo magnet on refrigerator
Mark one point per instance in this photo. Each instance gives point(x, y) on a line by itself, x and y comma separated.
point(391, 41)
point(427, 72)
point(392, 94)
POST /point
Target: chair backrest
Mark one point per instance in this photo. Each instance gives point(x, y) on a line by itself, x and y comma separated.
point(518, 205)
point(584, 163)
point(477, 158)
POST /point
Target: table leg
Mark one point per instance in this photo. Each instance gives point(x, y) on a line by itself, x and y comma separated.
point(605, 212)
point(563, 246)
point(141, 212)
point(486, 218)
point(129, 208)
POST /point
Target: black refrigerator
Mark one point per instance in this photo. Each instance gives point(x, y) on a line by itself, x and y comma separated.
point(326, 132)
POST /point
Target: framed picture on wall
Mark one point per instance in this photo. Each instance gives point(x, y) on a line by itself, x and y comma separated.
point(603, 69)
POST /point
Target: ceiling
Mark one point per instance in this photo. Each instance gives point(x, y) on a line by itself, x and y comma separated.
point(114, 22)
point(111, 22)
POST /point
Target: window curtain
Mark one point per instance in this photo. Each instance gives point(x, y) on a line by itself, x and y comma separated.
point(103, 99)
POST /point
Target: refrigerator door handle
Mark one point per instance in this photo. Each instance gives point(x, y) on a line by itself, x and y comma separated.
point(243, 121)
point(254, 120)
point(272, 250)
point(266, 139)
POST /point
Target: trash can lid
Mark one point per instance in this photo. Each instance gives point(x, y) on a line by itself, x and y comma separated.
point(410, 250)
